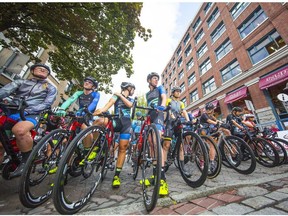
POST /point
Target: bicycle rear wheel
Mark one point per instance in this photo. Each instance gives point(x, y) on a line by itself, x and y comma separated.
point(72, 192)
point(150, 163)
point(280, 150)
point(217, 158)
point(37, 180)
point(238, 154)
point(195, 168)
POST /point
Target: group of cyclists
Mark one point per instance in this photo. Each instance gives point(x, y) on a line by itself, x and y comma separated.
point(40, 95)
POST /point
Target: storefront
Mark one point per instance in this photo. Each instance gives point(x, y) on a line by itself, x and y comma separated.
point(272, 85)
point(237, 97)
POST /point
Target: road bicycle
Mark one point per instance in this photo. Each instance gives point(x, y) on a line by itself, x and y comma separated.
point(148, 158)
point(8, 140)
point(236, 153)
point(72, 192)
point(189, 148)
point(37, 180)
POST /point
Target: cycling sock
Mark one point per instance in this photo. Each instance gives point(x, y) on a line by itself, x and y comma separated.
point(25, 156)
point(163, 174)
point(118, 170)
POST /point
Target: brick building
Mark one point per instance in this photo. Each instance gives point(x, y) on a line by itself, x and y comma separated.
point(234, 54)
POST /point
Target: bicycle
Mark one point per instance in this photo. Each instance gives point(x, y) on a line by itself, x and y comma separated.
point(193, 150)
point(236, 153)
point(72, 192)
point(8, 140)
point(149, 158)
point(37, 180)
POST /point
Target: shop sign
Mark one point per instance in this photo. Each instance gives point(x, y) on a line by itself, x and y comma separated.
point(274, 78)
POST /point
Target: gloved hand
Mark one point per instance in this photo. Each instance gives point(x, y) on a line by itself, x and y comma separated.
point(160, 108)
point(80, 112)
point(60, 112)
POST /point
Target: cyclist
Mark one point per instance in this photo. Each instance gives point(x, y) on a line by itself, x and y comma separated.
point(39, 95)
point(122, 103)
point(177, 107)
point(89, 97)
point(136, 125)
point(249, 121)
point(156, 98)
point(209, 122)
point(235, 121)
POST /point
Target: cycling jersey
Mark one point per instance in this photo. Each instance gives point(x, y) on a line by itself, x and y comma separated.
point(120, 105)
point(39, 94)
point(91, 100)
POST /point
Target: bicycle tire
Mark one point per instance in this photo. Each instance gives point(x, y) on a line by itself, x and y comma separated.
point(35, 184)
point(151, 162)
point(194, 150)
point(284, 143)
point(217, 159)
point(269, 157)
point(71, 193)
point(241, 158)
point(280, 150)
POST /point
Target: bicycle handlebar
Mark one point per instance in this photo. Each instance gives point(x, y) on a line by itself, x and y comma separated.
point(22, 105)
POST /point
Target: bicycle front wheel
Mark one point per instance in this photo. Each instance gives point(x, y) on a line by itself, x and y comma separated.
point(150, 163)
point(80, 172)
point(38, 175)
point(238, 154)
point(192, 150)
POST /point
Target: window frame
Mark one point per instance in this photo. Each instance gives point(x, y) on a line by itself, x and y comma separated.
point(204, 87)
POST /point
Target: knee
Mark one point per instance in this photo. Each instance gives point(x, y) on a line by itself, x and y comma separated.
point(166, 145)
point(20, 131)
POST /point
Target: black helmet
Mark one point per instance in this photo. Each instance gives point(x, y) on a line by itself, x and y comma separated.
point(209, 106)
point(125, 85)
point(93, 80)
point(237, 109)
point(175, 88)
point(151, 75)
point(40, 65)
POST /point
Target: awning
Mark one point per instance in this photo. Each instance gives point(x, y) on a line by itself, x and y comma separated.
point(196, 113)
point(215, 103)
point(274, 78)
point(236, 95)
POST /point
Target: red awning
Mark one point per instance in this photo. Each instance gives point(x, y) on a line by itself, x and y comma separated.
point(215, 103)
point(236, 95)
point(274, 78)
point(196, 113)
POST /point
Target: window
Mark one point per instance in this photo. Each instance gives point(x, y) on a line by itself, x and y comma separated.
point(186, 39)
point(219, 30)
point(169, 66)
point(205, 66)
point(182, 86)
point(223, 49)
point(266, 46)
point(166, 80)
point(190, 64)
point(199, 36)
point(173, 60)
point(170, 75)
point(202, 50)
point(213, 17)
point(173, 71)
point(180, 75)
point(197, 24)
point(252, 22)
point(207, 7)
point(191, 79)
point(238, 8)
point(231, 70)
point(184, 101)
point(166, 71)
point(194, 96)
point(179, 51)
point(209, 86)
point(188, 50)
point(174, 82)
point(179, 63)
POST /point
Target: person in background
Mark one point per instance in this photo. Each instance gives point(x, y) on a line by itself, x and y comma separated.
point(39, 95)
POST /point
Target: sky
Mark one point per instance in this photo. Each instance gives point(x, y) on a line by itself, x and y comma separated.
point(168, 21)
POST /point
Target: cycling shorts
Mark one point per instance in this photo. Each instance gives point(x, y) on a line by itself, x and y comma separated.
point(158, 119)
point(122, 125)
point(31, 118)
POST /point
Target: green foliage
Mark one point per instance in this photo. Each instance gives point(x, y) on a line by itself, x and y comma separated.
point(92, 39)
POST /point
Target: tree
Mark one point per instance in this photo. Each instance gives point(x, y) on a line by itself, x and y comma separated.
point(93, 39)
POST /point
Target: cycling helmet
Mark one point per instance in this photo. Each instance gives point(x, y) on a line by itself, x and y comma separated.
point(209, 106)
point(237, 109)
point(249, 115)
point(150, 75)
point(125, 85)
point(175, 88)
point(40, 65)
point(93, 80)
point(138, 114)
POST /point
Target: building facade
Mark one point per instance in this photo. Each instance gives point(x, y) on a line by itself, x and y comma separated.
point(234, 54)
